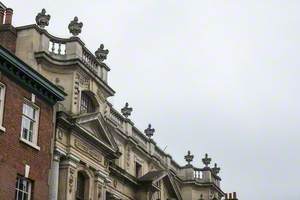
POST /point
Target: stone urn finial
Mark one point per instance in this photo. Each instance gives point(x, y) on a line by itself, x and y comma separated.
point(216, 169)
point(206, 161)
point(149, 131)
point(189, 158)
point(101, 53)
point(42, 20)
point(75, 27)
point(126, 111)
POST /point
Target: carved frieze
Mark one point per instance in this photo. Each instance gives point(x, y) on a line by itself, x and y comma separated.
point(85, 149)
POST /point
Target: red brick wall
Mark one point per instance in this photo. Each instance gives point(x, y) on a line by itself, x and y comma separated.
point(14, 154)
point(8, 37)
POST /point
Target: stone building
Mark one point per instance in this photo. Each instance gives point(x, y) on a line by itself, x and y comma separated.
point(98, 152)
point(26, 122)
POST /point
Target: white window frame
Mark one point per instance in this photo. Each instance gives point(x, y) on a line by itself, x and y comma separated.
point(26, 190)
point(32, 143)
point(2, 101)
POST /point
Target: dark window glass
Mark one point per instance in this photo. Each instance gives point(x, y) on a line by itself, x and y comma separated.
point(80, 186)
point(86, 104)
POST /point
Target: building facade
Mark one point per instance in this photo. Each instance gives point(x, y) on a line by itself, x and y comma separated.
point(26, 124)
point(98, 153)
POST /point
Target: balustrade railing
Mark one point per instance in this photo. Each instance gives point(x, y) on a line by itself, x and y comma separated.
point(115, 116)
point(57, 47)
point(90, 60)
point(198, 174)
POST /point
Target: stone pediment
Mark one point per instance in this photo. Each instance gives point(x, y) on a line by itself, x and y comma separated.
point(95, 125)
point(151, 178)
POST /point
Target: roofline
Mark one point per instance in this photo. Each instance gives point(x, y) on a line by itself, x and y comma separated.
point(2, 5)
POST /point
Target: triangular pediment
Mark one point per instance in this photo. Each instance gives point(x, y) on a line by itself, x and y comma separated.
point(95, 125)
point(153, 177)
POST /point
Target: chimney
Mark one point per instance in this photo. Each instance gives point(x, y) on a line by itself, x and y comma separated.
point(8, 33)
point(8, 16)
point(231, 196)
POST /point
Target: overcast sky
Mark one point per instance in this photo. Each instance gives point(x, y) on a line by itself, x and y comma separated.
point(215, 76)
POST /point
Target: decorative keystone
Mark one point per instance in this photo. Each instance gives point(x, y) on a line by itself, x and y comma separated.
point(42, 20)
point(126, 111)
point(75, 27)
point(149, 131)
point(189, 158)
point(101, 53)
point(216, 169)
point(206, 160)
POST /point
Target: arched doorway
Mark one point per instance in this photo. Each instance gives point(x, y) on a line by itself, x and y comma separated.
point(82, 186)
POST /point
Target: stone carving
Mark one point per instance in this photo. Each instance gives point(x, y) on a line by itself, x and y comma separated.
point(42, 20)
point(149, 131)
point(201, 197)
point(75, 27)
point(115, 183)
point(101, 95)
point(126, 111)
point(60, 134)
point(71, 180)
point(216, 169)
point(206, 161)
point(128, 157)
point(189, 158)
point(101, 53)
point(80, 146)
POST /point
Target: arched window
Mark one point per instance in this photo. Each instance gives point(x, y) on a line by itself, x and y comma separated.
point(80, 191)
point(86, 103)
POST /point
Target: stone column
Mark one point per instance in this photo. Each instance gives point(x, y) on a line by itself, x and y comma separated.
point(100, 184)
point(67, 178)
point(53, 187)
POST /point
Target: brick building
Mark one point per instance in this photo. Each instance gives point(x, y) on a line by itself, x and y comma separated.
point(26, 122)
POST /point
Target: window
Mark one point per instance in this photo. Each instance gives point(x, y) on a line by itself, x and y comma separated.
point(29, 123)
point(2, 96)
point(138, 169)
point(23, 188)
point(86, 103)
point(80, 186)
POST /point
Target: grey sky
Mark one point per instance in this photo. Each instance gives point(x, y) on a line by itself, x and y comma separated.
point(215, 76)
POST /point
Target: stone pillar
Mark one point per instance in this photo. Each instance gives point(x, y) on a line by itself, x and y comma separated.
point(99, 186)
point(54, 179)
point(67, 178)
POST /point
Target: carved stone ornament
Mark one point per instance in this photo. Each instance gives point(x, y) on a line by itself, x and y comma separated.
point(126, 111)
point(189, 158)
point(206, 160)
point(71, 180)
point(101, 53)
point(75, 27)
point(42, 20)
point(216, 169)
point(201, 197)
point(149, 131)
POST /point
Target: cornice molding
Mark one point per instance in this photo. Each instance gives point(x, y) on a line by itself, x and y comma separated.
point(29, 78)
